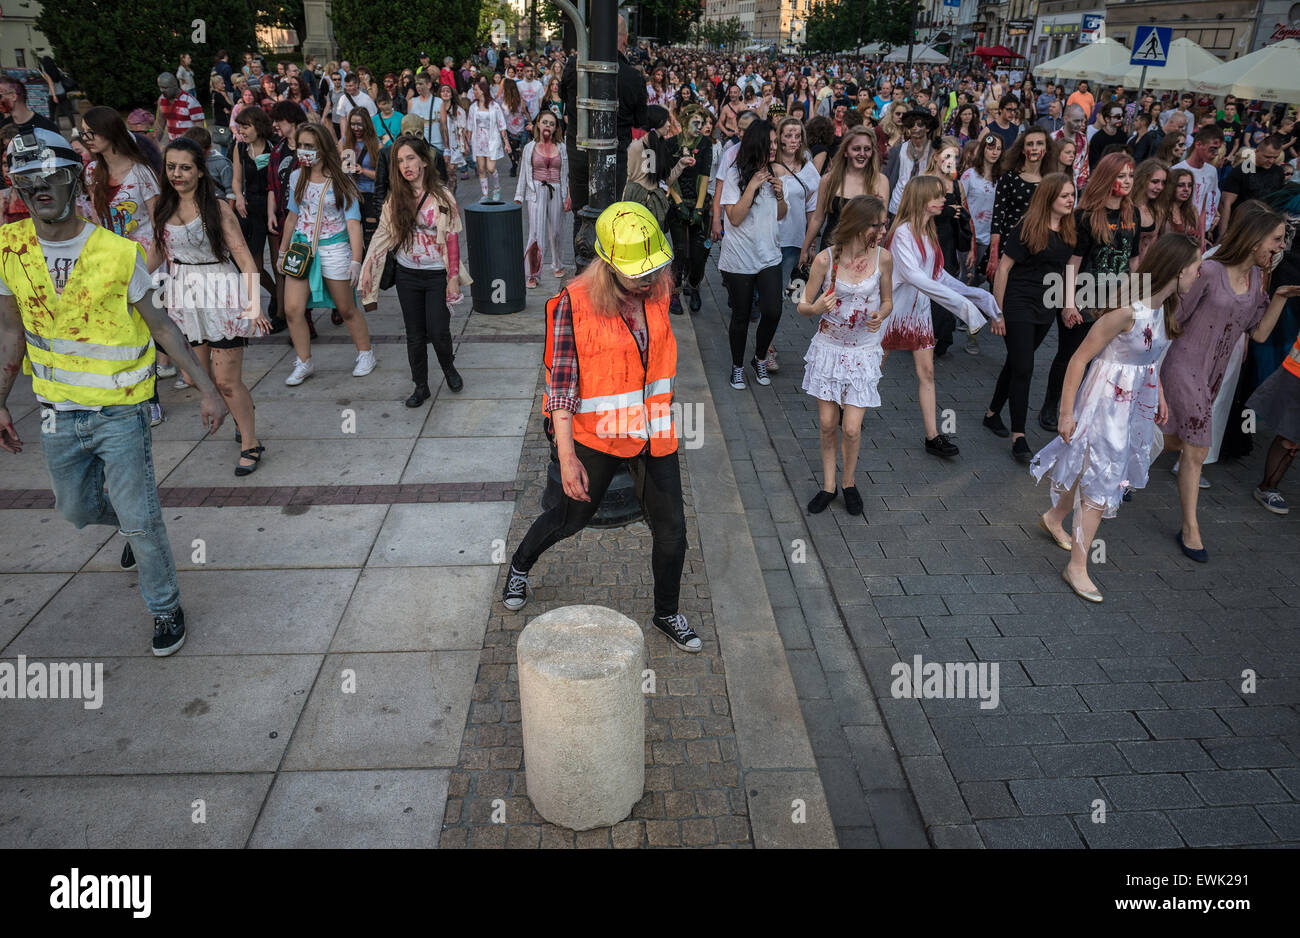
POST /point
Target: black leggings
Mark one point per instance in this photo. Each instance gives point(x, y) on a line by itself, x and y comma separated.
point(658, 481)
point(1067, 343)
point(740, 287)
point(423, 297)
point(1023, 339)
point(689, 253)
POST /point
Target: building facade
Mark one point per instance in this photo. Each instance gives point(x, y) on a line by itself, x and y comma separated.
point(1277, 19)
point(20, 41)
point(779, 22)
point(1226, 28)
point(1064, 25)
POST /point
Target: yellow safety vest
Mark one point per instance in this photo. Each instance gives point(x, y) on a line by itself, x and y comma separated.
point(86, 345)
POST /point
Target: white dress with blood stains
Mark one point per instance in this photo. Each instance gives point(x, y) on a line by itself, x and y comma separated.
point(843, 360)
point(1115, 435)
point(919, 277)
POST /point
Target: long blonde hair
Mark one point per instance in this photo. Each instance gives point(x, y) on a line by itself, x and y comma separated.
point(607, 294)
point(920, 191)
point(839, 163)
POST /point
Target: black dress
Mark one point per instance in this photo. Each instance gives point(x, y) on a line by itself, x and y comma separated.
point(954, 240)
point(832, 219)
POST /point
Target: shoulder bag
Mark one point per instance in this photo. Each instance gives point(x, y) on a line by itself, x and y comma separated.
point(389, 277)
point(298, 256)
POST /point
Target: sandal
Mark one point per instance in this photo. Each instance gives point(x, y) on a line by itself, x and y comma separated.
point(254, 454)
point(336, 317)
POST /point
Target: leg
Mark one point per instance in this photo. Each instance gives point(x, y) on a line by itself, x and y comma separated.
point(1054, 517)
point(296, 294)
point(569, 517)
point(228, 374)
point(923, 359)
point(1086, 522)
point(699, 254)
point(1020, 360)
point(740, 287)
point(122, 440)
point(658, 481)
point(437, 317)
point(410, 295)
point(1002, 389)
point(76, 472)
point(851, 441)
point(828, 423)
point(1280, 454)
point(1068, 342)
point(770, 300)
point(1189, 491)
point(481, 163)
point(345, 302)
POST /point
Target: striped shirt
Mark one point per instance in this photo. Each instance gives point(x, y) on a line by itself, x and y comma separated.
point(181, 114)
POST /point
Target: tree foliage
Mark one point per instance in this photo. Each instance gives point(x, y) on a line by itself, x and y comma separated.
point(715, 33)
point(387, 37)
point(116, 50)
point(669, 21)
point(287, 14)
point(837, 25)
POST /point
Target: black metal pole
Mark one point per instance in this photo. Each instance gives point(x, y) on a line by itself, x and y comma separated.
point(602, 138)
point(911, 42)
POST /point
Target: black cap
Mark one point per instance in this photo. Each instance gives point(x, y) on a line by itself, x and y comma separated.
point(425, 55)
point(922, 114)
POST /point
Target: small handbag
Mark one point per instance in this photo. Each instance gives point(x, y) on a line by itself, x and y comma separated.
point(388, 279)
point(296, 262)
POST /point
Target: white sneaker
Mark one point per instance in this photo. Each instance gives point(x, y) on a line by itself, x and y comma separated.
point(365, 364)
point(166, 371)
point(180, 384)
point(496, 195)
point(156, 415)
point(302, 370)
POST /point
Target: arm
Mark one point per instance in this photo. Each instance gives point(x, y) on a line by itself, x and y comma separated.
point(243, 259)
point(1226, 201)
point(815, 223)
point(13, 346)
point(811, 304)
point(1275, 307)
point(1000, 281)
point(237, 183)
point(886, 287)
point(1069, 312)
point(168, 337)
point(1099, 336)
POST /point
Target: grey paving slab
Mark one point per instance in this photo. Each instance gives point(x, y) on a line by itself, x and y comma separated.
point(227, 612)
point(40, 541)
point(280, 420)
point(763, 702)
point(407, 710)
point(249, 538)
point(417, 609)
point(130, 811)
point(187, 714)
point(788, 809)
point(477, 418)
point(497, 383)
point(401, 809)
point(445, 534)
point(501, 354)
point(447, 459)
point(22, 596)
point(342, 460)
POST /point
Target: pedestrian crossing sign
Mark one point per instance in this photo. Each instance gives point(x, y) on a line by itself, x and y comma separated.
point(1151, 45)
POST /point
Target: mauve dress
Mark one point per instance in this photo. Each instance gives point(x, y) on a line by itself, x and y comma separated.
point(1213, 318)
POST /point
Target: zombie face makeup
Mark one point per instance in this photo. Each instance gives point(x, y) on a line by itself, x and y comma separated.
point(168, 85)
point(50, 197)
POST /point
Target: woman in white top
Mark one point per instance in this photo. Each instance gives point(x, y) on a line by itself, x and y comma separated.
point(979, 181)
point(919, 277)
point(212, 291)
point(454, 135)
point(754, 199)
point(544, 183)
point(487, 129)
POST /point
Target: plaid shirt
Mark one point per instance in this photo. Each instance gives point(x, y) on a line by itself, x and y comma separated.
point(562, 380)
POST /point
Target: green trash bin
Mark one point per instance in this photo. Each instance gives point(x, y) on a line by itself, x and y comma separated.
point(495, 234)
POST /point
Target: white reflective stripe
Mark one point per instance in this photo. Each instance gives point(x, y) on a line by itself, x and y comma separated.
point(112, 353)
point(661, 424)
point(85, 379)
point(626, 399)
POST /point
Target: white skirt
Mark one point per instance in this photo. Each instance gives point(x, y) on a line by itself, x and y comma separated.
point(844, 374)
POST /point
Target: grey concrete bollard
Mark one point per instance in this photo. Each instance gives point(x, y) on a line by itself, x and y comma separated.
point(583, 715)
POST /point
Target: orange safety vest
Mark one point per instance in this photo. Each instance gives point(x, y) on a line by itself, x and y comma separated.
point(624, 404)
point(1292, 361)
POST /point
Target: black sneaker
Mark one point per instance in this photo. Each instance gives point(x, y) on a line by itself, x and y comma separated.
point(696, 301)
point(852, 499)
point(760, 371)
point(675, 305)
point(1020, 449)
point(995, 424)
point(128, 557)
point(820, 501)
point(738, 378)
point(454, 381)
point(678, 632)
point(941, 446)
point(169, 632)
point(516, 591)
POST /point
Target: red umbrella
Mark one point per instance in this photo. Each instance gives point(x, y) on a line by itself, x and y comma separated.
point(996, 52)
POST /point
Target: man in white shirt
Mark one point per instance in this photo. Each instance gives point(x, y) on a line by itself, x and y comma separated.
point(354, 97)
point(428, 108)
point(1200, 162)
point(531, 90)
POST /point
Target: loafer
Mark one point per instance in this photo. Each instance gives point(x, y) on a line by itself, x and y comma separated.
point(1047, 420)
point(418, 396)
point(454, 381)
point(941, 446)
point(1021, 451)
point(1199, 554)
point(852, 500)
point(995, 424)
point(819, 501)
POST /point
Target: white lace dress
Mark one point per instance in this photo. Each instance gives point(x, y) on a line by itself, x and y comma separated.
point(843, 360)
point(1114, 416)
point(203, 296)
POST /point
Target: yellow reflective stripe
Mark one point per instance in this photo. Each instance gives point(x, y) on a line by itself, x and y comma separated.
point(84, 379)
point(117, 353)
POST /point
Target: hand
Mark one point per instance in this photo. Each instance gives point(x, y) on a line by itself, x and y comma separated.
point(354, 273)
point(825, 303)
point(778, 188)
point(875, 321)
point(1162, 411)
point(240, 206)
point(366, 281)
point(970, 258)
point(453, 293)
point(759, 178)
point(687, 160)
point(212, 410)
point(573, 474)
point(271, 225)
point(1071, 317)
point(568, 204)
point(998, 327)
point(1065, 424)
point(9, 439)
point(1288, 291)
point(992, 270)
point(715, 234)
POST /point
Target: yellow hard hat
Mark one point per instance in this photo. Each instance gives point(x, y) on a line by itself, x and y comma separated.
point(629, 239)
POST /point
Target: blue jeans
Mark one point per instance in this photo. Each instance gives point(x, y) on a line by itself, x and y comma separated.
point(789, 261)
point(115, 446)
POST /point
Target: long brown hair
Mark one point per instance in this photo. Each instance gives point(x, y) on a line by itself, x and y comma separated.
point(205, 198)
point(510, 96)
point(1036, 226)
point(976, 161)
point(1167, 257)
point(327, 152)
point(368, 135)
point(1013, 157)
point(1093, 204)
point(920, 191)
point(1184, 214)
point(109, 127)
point(1247, 227)
point(402, 193)
point(1142, 180)
point(839, 162)
point(857, 216)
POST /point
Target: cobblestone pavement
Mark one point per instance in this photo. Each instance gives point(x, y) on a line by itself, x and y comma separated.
point(1137, 706)
point(692, 795)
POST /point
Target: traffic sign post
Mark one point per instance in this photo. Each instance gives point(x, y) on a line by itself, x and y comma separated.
point(1150, 50)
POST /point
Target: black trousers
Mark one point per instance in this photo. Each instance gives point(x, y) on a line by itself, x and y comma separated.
point(423, 296)
point(578, 193)
point(658, 481)
point(689, 253)
point(740, 288)
point(1022, 339)
point(369, 217)
point(1068, 342)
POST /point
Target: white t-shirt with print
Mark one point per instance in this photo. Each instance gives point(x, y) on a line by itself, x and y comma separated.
point(1205, 191)
point(423, 252)
point(334, 220)
point(128, 209)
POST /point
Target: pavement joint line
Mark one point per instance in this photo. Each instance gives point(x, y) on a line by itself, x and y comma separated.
point(276, 496)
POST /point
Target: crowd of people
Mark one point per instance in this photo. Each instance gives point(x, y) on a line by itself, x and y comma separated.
point(899, 207)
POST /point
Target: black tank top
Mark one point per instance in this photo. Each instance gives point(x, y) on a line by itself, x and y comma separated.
point(832, 219)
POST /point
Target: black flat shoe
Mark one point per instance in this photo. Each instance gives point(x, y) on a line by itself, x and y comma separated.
point(1199, 554)
point(1047, 419)
point(418, 396)
point(255, 454)
point(1021, 451)
point(696, 301)
point(820, 501)
point(941, 446)
point(454, 381)
point(995, 424)
point(852, 500)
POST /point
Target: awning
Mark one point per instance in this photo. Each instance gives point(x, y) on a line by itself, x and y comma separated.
point(996, 52)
